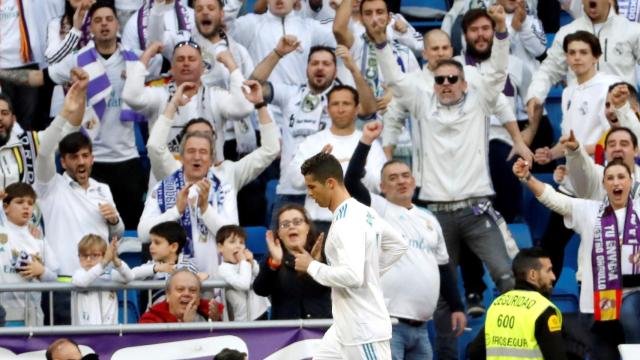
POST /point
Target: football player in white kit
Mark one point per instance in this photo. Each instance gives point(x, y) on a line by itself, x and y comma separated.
point(359, 248)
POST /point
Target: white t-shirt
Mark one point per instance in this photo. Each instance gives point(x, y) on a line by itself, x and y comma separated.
point(242, 301)
point(15, 240)
point(359, 248)
point(412, 286)
point(343, 148)
point(115, 141)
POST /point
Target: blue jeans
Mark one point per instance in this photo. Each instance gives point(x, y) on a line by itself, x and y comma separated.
point(410, 342)
point(630, 317)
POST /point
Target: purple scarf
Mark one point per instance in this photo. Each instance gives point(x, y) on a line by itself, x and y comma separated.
point(607, 259)
point(143, 20)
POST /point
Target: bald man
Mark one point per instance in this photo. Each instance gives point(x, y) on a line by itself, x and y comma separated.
point(63, 349)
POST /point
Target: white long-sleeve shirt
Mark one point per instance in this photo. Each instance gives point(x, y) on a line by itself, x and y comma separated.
point(260, 35)
point(233, 175)
point(620, 43)
point(212, 103)
point(70, 211)
point(14, 240)
point(343, 147)
point(242, 301)
point(581, 216)
point(360, 247)
point(454, 138)
point(97, 307)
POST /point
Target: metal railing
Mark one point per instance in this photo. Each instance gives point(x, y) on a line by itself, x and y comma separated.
point(50, 287)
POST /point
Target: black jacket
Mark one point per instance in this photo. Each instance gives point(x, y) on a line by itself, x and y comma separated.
point(294, 295)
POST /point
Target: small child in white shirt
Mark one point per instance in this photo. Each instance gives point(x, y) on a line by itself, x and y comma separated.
point(239, 269)
point(167, 241)
point(97, 307)
point(23, 257)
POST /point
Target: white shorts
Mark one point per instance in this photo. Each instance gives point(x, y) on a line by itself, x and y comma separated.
point(330, 348)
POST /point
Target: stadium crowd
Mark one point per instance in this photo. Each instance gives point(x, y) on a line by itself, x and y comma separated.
point(169, 117)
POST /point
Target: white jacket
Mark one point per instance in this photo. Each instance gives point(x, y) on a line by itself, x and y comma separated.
point(620, 43)
point(454, 138)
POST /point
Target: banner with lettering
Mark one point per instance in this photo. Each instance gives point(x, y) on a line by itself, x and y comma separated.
point(290, 343)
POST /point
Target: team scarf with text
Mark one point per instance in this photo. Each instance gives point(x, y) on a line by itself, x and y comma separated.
point(143, 20)
point(99, 87)
point(607, 260)
point(167, 196)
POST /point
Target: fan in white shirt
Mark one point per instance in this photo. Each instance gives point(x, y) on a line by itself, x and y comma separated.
point(360, 247)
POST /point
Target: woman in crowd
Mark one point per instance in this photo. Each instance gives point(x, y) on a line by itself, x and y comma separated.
point(294, 295)
point(608, 256)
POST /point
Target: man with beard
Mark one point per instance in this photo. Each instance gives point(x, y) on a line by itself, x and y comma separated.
point(523, 322)
point(18, 148)
point(73, 204)
point(304, 107)
point(114, 145)
point(455, 184)
point(375, 16)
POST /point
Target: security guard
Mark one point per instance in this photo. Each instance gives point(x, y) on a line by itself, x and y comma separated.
point(523, 323)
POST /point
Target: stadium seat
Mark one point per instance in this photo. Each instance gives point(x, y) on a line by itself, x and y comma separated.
point(554, 110)
point(521, 235)
point(424, 9)
point(535, 214)
point(132, 307)
point(565, 292)
point(256, 241)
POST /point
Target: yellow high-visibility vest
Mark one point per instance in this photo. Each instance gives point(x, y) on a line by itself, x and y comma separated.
point(511, 325)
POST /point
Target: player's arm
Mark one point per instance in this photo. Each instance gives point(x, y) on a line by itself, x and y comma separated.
point(549, 335)
point(393, 246)
point(348, 270)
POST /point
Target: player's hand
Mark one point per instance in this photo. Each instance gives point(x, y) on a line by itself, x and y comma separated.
point(543, 155)
point(521, 168)
point(458, 322)
point(521, 149)
point(114, 251)
point(302, 259)
point(570, 142)
point(316, 250)
point(371, 131)
point(497, 13)
point(275, 250)
point(286, 45)
point(253, 91)
point(619, 95)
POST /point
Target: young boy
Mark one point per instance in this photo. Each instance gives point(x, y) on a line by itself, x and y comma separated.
point(97, 307)
point(167, 240)
point(239, 269)
point(23, 258)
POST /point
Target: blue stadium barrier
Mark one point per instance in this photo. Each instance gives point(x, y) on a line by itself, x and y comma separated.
point(256, 241)
point(521, 235)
